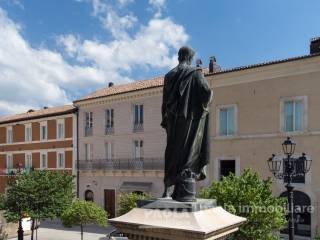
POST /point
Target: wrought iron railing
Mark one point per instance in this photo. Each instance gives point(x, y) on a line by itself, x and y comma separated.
point(14, 171)
point(88, 131)
point(109, 130)
point(122, 164)
point(138, 127)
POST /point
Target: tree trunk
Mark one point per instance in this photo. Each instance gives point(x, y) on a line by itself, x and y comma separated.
point(32, 228)
point(81, 227)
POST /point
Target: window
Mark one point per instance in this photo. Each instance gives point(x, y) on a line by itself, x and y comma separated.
point(138, 149)
point(43, 131)
point(60, 129)
point(88, 151)
point(44, 161)
point(28, 133)
point(138, 117)
point(88, 124)
point(109, 150)
point(109, 114)
point(226, 167)
point(9, 135)
point(60, 160)
point(28, 160)
point(227, 121)
point(9, 161)
point(294, 111)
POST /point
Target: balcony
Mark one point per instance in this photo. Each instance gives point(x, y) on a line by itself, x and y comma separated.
point(122, 164)
point(88, 131)
point(14, 171)
point(109, 130)
point(138, 127)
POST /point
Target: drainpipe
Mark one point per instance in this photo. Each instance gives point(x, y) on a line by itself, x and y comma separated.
point(78, 171)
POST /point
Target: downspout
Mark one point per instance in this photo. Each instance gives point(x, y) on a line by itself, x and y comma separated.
point(78, 170)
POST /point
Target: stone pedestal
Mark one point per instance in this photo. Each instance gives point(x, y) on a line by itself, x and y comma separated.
point(200, 220)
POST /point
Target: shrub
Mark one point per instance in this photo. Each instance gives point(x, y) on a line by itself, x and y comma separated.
point(81, 213)
point(128, 201)
point(251, 197)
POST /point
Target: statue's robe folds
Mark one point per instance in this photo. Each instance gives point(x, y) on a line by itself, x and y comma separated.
point(186, 97)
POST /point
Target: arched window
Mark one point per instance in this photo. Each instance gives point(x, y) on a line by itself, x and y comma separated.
point(88, 195)
point(302, 213)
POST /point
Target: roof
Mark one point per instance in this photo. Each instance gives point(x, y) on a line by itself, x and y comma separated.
point(158, 81)
point(46, 112)
point(124, 88)
point(265, 64)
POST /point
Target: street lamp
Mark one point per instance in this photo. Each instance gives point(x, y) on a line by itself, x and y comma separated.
point(292, 167)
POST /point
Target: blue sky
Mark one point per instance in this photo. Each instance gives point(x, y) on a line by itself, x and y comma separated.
point(55, 51)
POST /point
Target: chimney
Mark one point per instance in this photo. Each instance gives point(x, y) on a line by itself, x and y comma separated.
point(198, 62)
point(213, 66)
point(315, 45)
point(110, 84)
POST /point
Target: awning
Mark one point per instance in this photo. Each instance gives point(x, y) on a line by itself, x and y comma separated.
point(136, 186)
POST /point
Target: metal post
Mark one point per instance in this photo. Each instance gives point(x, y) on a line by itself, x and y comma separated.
point(289, 172)
point(20, 230)
point(291, 216)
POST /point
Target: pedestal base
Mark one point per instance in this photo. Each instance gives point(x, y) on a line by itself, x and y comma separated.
point(169, 204)
point(155, 224)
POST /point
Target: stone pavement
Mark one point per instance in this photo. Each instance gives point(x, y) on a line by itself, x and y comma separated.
point(53, 230)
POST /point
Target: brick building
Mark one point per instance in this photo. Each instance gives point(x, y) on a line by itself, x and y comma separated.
point(38, 139)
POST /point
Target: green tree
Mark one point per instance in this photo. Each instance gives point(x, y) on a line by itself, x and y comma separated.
point(38, 195)
point(81, 213)
point(128, 201)
point(251, 197)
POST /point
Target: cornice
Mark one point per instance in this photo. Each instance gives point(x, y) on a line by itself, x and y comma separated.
point(286, 69)
point(122, 97)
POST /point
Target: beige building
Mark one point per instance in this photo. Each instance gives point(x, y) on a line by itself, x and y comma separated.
point(254, 108)
point(121, 143)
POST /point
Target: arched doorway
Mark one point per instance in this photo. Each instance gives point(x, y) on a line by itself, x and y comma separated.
point(302, 213)
point(88, 195)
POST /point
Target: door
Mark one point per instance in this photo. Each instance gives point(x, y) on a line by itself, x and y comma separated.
point(110, 202)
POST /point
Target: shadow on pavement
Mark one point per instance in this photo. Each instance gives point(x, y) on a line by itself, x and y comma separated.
point(56, 224)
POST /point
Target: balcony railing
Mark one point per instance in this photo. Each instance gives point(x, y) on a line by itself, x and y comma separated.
point(122, 164)
point(138, 127)
point(14, 171)
point(88, 131)
point(109, 130)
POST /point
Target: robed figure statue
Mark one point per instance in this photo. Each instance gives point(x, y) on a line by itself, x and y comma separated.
point(185, 108)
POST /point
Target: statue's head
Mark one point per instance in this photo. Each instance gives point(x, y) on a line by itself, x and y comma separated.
point(186, 55)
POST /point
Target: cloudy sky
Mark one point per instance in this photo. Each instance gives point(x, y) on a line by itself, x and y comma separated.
point(55, 51)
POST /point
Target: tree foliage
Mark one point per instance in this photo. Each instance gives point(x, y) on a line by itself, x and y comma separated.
point(128, 201)
point(81, 213)
point(38, 195)
point(251, 197)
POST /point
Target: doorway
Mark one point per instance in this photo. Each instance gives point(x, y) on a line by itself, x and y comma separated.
point(110, 202)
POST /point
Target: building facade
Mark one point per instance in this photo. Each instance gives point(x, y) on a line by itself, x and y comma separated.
point(254, 108)
point(121, 143)
point(38, 139)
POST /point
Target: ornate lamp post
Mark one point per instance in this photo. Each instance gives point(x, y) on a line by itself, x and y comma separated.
point(292, 167)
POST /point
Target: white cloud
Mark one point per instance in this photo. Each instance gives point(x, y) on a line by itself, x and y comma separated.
point(125, 2)
point(34, 77)
point(153, 46)
point(116, 24)
point(31, 78)
point(158, 5)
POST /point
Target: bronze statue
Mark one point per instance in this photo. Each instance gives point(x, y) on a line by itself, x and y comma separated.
point(185, 108)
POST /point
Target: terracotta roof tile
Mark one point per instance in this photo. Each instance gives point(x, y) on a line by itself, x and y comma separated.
point(38, 114)
point(124, 88)
point(158, 81)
